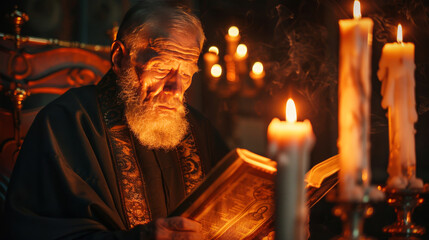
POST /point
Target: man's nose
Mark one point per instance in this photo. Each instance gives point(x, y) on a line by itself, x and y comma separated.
point(174, 83)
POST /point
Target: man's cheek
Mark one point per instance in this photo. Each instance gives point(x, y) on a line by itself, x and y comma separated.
point(150, 92)
point(139, 71)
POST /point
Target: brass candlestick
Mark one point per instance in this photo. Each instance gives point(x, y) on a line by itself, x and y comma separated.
point(17, 95)
point(354, 212)
point(405, 201)
point(352, 215)
point(18, 19)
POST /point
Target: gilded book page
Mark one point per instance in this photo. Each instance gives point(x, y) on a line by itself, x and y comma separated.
point(240, 208)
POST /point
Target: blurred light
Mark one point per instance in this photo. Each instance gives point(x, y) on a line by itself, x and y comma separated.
point(241, 50)
point(214, 50)
point(257, 68)
point(216, 70)
point(233, 31)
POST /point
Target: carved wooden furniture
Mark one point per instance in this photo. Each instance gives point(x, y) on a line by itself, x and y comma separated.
point(33, 72)
point(29, 79)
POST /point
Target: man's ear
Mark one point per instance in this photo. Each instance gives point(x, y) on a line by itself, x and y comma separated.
point(117, 55)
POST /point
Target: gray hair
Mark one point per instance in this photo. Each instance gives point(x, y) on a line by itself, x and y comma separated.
point(149, 20)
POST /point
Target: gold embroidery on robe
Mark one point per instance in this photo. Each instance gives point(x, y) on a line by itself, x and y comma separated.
point(130, 180)
point(190, 163)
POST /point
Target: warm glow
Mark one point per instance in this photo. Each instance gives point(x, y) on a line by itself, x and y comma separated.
point(216, 70)
point(241, 50)
point(356, 10)
point(214, 50)
point(290, 111)
point(257, 160)
point(233, 31)
point(365, 175)
point(257, 68)
point(399, 34)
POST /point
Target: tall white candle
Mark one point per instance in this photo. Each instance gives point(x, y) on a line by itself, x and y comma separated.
point(354, 105)
point(396, 72)
point(290, 144)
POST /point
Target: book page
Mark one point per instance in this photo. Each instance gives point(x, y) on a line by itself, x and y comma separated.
point(241, 208)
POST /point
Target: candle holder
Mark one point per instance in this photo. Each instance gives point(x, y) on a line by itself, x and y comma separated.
point(237, 80)
point(353, 213)
point(404, 201)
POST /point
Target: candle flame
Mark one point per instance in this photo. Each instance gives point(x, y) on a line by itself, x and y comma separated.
point(257, 68)
point(356, 10)
point(233, 31)
point(241, 50)
point(214, 50)
point(399, 34)
point(290, 111)
point(216, 70)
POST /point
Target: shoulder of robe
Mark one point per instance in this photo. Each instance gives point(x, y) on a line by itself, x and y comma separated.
point(195, 115)
point(75, 100)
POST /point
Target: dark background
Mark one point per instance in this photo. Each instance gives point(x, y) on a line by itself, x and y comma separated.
point(297, 41)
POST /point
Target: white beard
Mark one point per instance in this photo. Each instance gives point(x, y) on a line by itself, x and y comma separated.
point(153, 127)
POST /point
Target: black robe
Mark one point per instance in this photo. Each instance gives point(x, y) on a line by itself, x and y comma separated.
point(64, 183)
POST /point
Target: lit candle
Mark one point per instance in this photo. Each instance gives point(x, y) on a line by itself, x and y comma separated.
point(290, 143)
point(396, 73)
point(216, 71)
point(258, 74)
point(240, 58)
point(214, 50)
point(210, 58)
point(354, 105)
point(215, 74)
point(232, 39)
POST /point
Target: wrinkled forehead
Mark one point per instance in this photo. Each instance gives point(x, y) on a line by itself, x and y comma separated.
point(175, 48)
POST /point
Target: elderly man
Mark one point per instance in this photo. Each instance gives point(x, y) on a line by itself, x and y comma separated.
point(112, 161)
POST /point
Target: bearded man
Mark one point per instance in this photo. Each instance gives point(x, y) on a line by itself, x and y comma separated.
point(112, 161)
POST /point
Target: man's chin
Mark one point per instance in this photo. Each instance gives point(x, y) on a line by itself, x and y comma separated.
point(160, 128)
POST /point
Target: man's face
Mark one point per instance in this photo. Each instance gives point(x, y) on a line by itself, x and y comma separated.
point(164, 70)
point(153, 84)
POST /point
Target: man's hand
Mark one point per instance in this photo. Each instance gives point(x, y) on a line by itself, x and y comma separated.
point(177, 228)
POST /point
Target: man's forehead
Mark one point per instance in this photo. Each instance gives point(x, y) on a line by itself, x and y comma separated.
point(174, 48)
point(168, 63)
point(167, 49)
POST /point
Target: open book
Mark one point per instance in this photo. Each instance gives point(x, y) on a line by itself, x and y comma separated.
point(236, 200)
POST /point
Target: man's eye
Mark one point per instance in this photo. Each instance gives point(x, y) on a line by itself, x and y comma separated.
point(163, 70)
point(186, 75)
point(161, 73)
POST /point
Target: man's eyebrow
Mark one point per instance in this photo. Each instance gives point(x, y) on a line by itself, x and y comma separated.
point(144, 55)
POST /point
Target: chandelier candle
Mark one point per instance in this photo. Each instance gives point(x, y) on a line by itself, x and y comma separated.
point(354, 106)
point(241, 58)
point(211, 58)
point(290, 143)
point(258, 74)
point(232, 40)
point(396, 73)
